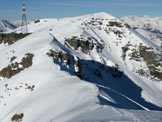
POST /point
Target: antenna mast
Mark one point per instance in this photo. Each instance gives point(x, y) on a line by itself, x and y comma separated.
point(24, 28)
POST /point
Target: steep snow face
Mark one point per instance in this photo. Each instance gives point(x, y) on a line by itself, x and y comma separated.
point(148, 27)
point(6, 26)
point(146, 22)
point(82, 69)
point(155, 37)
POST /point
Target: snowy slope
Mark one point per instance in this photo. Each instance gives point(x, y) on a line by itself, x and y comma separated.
point(6, 26)
point(155, 37)
point(145, 22)
point(148, 27)
point(77, 70)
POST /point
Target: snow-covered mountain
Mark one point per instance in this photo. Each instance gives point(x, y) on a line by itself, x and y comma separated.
point(145, 22)
point(150, 28)
point(6, 26)
point(17, 23)
point(155, 37)
point(90, 68)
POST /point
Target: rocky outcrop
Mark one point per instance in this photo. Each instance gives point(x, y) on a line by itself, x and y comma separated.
point(115, 23)
point(37, 21)
point(17, 117)
point(117, 30)
point(14, 68)
point(108, 25)
point(13, 58)
point(10, 38)
point(124, 50)
point(152, 59)
point(84, 44)
point(84, 69)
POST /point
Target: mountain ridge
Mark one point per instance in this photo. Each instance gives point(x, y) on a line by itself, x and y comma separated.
point(88, 68)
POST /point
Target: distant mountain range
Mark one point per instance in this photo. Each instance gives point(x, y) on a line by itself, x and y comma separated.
point(153, 24)
point(6, 26)
point(150, 28)
point(17, 23)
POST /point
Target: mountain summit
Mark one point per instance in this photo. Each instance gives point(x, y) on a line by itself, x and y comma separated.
point(82, 69)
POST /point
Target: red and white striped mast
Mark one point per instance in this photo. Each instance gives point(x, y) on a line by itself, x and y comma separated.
point(24, 28)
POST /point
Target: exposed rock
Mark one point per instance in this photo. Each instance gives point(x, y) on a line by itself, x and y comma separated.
point(6, 72)
point(64, 57)
point(13, 58)
point(142, 72)
point(84, 69)
point(27, 60)
point(94, 22)
point(127, 25)
point(31, 88)
point(125, 49)
point(61, 56)
point(53, 54)
point(117, 31)
point(10, 38)
point(135, 55)
point(37, 21)
point(17, 117)
point(115, 23)
point(84, 44)
point(152, 60)
point(77, 65)
point(74, 42)
point(15, 68)
point(120, 34)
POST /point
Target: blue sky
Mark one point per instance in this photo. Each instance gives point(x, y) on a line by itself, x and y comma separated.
point(11, 9)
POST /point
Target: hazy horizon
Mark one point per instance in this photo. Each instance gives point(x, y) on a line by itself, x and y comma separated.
point(12, 10)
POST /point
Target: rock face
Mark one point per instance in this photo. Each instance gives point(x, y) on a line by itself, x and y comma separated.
point(10, 38)
point(84, 69)
point(15, 68)
point(36, 21)
point(17, 117)
point(153, 61)
point(147, 54)
point(85, 44)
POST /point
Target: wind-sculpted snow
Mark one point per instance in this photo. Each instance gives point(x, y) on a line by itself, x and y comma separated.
point(81, 69)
